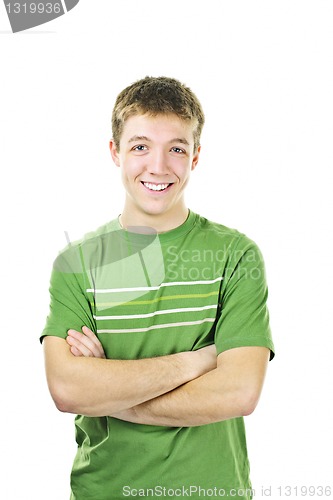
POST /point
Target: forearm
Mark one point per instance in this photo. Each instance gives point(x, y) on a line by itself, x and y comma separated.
point(231, 390)
point(100, 387)
point(97, 387)
point(197, 402)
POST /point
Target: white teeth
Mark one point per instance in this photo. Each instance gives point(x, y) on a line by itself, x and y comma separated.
point(155, 187)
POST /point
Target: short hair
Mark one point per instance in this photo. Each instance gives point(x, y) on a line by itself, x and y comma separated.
point(157, 96)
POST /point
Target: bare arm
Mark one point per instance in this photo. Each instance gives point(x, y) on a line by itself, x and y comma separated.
point(95, 386)
point(231, 390)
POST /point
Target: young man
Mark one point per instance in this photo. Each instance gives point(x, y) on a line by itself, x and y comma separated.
point(158, 335)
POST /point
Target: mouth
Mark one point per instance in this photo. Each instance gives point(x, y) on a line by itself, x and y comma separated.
point(156, 187)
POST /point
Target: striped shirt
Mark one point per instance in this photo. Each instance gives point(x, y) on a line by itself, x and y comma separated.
point(146, 295)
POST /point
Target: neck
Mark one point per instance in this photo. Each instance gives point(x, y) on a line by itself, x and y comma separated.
point(160, 223)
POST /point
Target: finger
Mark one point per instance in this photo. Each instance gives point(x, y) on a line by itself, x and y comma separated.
point(82, 338)
point(85, 344)
point(86, 336)
point(75, 351)
point(80, 346)
point(93, 337)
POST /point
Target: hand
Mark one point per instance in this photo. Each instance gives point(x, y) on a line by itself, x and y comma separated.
point(85, 344)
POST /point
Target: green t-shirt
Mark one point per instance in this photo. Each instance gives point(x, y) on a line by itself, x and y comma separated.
point(147, 295)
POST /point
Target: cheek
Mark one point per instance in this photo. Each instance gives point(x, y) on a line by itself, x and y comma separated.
point(131, 168)
point(183, 170)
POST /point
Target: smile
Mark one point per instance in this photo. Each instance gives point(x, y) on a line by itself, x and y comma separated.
point(156, 187)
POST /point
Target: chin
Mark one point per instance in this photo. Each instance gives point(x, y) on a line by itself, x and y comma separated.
point(154, 208)
point(156, 212)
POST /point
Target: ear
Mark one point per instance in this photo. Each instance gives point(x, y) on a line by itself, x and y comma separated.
point(196, 158)
point(114, 153)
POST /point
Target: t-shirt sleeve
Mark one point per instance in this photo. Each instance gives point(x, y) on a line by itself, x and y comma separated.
point(69, 304)
point(244, 317)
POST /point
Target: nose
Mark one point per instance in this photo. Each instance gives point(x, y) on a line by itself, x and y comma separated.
point(158, 164)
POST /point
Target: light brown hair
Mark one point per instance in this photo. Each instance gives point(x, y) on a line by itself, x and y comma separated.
point(157, 96)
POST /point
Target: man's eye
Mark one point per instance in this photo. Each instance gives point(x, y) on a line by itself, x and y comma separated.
point(140, 147)
point(178, 150)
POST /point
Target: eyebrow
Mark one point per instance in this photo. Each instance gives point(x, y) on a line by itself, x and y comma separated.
point(138, 138)
point(145, 138)
point(180, 140)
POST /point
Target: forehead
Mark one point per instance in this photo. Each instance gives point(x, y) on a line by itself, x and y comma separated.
point(160, 127)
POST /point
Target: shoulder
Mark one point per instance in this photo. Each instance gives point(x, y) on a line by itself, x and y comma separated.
point(230, 239)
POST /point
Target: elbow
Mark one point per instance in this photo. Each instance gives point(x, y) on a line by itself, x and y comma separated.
point(69, 399)
point(249, 403)
point(64, 406)
point(62, 398)
point(241, 403)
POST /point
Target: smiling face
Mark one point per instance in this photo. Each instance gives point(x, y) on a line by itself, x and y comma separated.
point(156, 156)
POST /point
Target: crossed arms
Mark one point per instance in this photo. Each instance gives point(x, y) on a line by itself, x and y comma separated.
point(180, 390)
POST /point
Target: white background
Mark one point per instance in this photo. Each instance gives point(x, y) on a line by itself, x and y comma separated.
point(263, 71)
